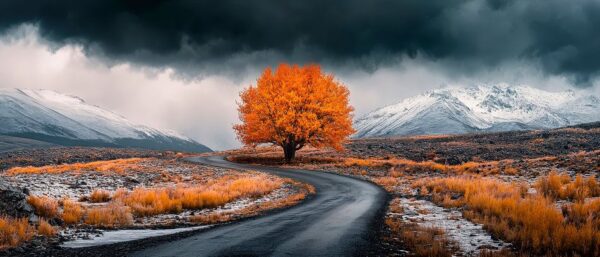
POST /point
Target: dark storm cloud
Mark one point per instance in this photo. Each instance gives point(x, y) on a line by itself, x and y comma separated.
point(561, 37)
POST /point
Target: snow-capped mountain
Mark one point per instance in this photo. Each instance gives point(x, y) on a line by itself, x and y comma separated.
point(67, 120)
point(480, 108)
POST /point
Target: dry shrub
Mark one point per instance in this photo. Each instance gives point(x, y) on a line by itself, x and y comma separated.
point(511, 171)
point(405, 164)
point(394, 173)
point(560, 186)
point(44, 206)
point(99, 196)
point(14, 232)
point(72, 212)
point(529, 222)
point(467, 167)
point(420, 241)
point(211, 218)
point(110, 216)
point(148, 202)
point(582, 214)
point(153, 201)
point(45, 229)
point(387, 182)
point(118, 166)
point(361, 162)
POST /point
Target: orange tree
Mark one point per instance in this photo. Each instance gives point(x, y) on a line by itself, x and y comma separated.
point(293, 107)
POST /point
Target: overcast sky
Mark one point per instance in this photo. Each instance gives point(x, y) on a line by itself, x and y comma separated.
point(181, 64)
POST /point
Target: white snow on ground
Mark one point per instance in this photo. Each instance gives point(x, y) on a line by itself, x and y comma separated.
point(116, 236)
point(469, 236)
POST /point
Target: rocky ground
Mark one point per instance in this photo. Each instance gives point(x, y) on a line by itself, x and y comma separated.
point(456, 149)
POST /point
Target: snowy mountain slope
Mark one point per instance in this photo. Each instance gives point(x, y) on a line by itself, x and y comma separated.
point(481, 108)
point(53, 117)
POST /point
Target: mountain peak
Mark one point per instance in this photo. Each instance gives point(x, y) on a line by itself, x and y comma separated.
point(454, 110)
point(64, 119)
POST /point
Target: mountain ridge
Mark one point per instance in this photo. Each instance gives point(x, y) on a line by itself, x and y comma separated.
point(57, 118)
point(481, 108)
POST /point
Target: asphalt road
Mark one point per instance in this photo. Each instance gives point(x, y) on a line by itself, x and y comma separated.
point(338, 221)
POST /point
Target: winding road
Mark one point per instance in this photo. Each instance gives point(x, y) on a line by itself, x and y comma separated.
point(338, 221)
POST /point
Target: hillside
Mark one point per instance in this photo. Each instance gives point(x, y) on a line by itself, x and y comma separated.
point(52, 117)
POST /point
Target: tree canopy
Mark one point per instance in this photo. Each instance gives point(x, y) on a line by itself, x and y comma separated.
point(294, 107)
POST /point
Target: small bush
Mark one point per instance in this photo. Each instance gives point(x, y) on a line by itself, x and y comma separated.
point(44, 206)
point(99, 196)
point(45, 229)
point(14, 232)
point(387, 182)
point(560, 186)
point(110, 216)
point(72, 212)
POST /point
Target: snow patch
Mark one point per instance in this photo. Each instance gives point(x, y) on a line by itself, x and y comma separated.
point(117, 236)
point(470, 237)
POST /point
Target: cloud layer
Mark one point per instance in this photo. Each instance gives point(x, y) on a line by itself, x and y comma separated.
point(199, 38)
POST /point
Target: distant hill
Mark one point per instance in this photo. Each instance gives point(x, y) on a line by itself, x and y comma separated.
point(479, 109)
point(8, 143)
point(48, 116)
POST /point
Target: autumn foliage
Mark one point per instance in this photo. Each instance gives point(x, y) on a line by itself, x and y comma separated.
point(293, 107)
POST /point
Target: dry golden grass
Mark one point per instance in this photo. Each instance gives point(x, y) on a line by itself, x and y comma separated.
point(420, 241)
point(387, 182)
point(530, 222)
point(252, 210)
point(45, 229)
point(153, 201)
point(110, 216)
point(560, 186)
point(14, 232)
point(99, 196)
point(72, 212)
point(404, 165)
point(511, 171)
point(118, 166)
point(44, 206)
point(408, 165)
point(212, 218)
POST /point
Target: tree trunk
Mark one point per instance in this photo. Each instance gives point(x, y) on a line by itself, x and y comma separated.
point(289, 151)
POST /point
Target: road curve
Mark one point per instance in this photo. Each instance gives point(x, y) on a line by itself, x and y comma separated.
point(337, 221)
